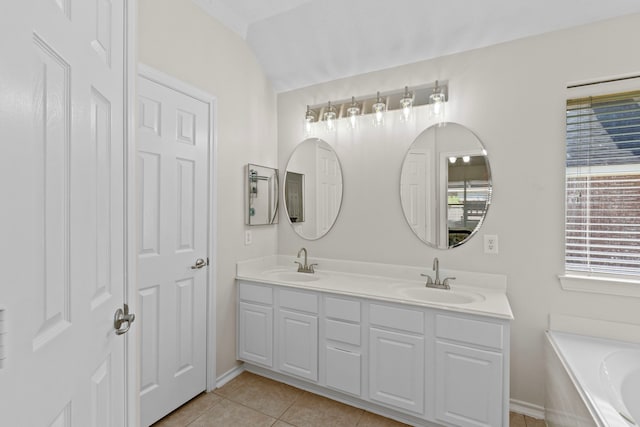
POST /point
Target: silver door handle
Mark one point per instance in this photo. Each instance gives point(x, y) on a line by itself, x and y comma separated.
point(200, 263)
point(123, 316)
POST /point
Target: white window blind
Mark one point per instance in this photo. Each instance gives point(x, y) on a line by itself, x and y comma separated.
point(603, 185)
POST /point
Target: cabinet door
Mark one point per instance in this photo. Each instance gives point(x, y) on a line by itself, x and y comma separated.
point(343, 369)
point(298, 344)
point(468, 385)
point(396, 369)
point(255, 334)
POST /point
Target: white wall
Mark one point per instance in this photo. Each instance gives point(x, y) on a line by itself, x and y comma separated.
point(179, 39)
point(513, 97)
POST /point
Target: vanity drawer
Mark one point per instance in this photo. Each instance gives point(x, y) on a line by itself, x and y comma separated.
point(397, 318)
point(256, 293)
point(340, 331)
point(301, 301)
point(470, 331)
point(342, 309)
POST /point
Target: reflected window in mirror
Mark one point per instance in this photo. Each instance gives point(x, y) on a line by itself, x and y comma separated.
point(294, 196)
point(313, 188)
point(467, 194)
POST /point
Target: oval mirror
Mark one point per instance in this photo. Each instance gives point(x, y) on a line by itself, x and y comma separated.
point(313, 188)
point(445, 185)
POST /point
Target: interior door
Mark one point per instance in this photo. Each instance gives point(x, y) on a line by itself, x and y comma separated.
point(417, 195)
point(329, 185)
point(62, 85)
point(173, 159)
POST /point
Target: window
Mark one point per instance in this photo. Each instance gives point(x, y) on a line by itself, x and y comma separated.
point(602, 221)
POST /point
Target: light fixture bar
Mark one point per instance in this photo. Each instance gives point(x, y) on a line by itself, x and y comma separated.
point(421, 95)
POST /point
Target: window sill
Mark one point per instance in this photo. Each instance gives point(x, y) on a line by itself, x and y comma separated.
point(600, 285)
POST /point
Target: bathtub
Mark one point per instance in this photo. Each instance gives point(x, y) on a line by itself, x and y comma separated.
point(591, 381)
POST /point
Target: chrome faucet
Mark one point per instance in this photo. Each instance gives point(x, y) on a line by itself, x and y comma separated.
point(304, 268)
point(437, 284)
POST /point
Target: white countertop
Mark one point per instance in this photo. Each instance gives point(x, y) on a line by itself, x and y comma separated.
point(386, 282)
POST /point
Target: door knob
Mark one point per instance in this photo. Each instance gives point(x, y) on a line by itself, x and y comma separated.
point(123, 316)
point(200, 263)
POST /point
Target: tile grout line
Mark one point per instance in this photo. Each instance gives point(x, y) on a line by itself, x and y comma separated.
point(292, 403)
point(201, 414)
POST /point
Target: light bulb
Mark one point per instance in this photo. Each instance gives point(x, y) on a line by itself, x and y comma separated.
point(437, 99)
point(352, 112)
point(406, 103)
point(466, 159)
point(452, 160)
point(309, 118)
point(437, 105)
point(378, 109)
point(330, 117)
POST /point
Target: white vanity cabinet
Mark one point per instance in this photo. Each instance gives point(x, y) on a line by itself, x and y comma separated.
point(470, 374)
point(429, 364)
point(396, 357)
point(342, 345)
point(297, 335)
point(255, 324)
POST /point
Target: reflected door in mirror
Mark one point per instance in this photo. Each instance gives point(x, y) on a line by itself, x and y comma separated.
point(313, 188)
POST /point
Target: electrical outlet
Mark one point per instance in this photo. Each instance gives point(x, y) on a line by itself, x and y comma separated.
point(248, 238)
point(490, 244)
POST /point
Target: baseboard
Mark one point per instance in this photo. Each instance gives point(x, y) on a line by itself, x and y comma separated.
point(229, 375)
point(526, 408)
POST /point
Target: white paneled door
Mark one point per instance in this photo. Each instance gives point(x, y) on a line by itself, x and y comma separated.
point(172, 166)
point(416, 194)
point(63, 260)
point(329, 185)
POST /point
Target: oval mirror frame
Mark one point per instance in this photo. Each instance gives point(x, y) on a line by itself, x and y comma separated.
point(310, 216)
point(445, 185)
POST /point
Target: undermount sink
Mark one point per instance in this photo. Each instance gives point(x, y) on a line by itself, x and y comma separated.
point(443, 296)
point(293, 276)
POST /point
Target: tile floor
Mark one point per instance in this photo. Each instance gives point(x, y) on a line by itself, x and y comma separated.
point(251, 400)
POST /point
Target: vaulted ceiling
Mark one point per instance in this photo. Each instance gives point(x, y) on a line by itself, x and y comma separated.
point(304, 42)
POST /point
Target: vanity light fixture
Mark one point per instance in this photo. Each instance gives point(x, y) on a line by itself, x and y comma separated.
point(330, 117)
point(406, 102)
point(452, 159)
point(466, 159)
point(309, 118)
point(436, 101)
point(378, 110)
point(429, 95)
point(353, 112)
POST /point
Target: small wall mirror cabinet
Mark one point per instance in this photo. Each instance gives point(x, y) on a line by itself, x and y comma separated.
point(262, 190)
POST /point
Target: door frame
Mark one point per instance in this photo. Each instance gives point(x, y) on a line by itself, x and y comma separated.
point(171, 82)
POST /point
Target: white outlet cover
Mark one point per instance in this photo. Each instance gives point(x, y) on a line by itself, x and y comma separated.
point(490, 244)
